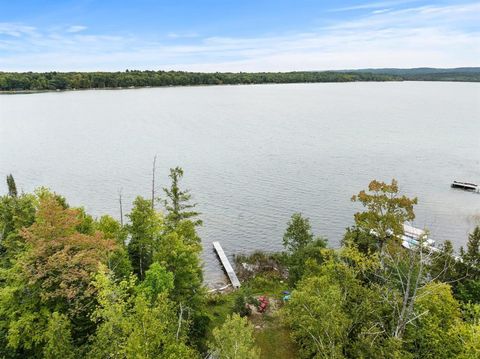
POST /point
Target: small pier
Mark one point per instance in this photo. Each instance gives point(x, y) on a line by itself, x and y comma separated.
point(466, 186)
point(226, 265)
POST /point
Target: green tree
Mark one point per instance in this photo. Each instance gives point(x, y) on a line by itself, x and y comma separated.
point(234, 339)
point(431, 334)
point(301, 245)
point(118, 261)
point(145, 229)
point(471, 257)
point(298, 233)
point(58, 338)
point(443, 265)
point(385, 214)
point(53, 274)
point(111, 229)
point(179, 253)
point(131, 325)
point(177, 201)
point(12, 187)
point(86, 223)
point(317, 318)
point(467, 288)
point(157, 280)
point(15, 213)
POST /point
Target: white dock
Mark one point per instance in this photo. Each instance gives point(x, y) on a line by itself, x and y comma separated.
point(226, 265)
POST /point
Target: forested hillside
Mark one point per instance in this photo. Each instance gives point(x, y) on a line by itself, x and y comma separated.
point(463, 74)
point(74, 286)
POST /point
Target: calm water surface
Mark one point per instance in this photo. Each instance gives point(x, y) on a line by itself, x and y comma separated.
point(253, 155)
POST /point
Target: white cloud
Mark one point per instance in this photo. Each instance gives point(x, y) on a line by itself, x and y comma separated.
point(179, 35)
point(16, 30)
point(76, 28)
point(381, 11)
point(374, 5)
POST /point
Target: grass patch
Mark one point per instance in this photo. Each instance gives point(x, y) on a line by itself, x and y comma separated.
point(275, 342)
point(219, 307)
point(271, 336)
point(266, 284)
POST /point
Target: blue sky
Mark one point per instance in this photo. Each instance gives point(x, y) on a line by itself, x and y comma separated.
point(241, 35)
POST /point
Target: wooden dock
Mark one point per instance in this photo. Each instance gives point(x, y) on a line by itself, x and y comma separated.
point(226, 265)
point(466, 186)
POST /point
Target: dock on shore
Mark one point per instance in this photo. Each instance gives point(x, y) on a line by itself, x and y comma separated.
point(226, 265)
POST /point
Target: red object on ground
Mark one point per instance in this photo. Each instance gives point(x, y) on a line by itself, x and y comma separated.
point(263, 304)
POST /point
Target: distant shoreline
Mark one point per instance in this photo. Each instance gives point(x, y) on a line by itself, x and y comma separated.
point(27, 92)
point(37, 82)
point(30, 92)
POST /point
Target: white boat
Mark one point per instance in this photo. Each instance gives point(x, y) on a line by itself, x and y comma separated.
point(412, 237)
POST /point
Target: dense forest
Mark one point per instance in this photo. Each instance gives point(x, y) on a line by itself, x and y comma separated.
point(32, 81)
point(48, 81)
point(74, 286)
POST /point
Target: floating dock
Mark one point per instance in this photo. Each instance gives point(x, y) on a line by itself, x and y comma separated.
point(466, 186)
point(226, 265)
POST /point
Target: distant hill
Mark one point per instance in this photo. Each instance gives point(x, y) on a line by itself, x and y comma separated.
point(468, 74)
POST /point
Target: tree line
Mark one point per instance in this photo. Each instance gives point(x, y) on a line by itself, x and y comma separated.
point(33, 81)
point(74, 286)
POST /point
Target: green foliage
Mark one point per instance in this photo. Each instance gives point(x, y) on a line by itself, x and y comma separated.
point(243, 298)
point(144, 229)
point(134, 326)
point(468, 288)
point(157, 281)
point(53, 274)
point(177, 202)
point(67, 289)
point(365, 241)
point(317, 317)
point(31, 81)
point(298, 233)
point(234, 340)
point(443, 266)
point(179, 252)
point(386, 212)
point(16, 212)
point(462, 272)
point(12, 187)
point(432, 334)
point(114, 301)
point(471, 257)
point(314, 252)
point(301, 246)
point(118, 261)
point(58, 338)
point(44, 193)
point(111, 229)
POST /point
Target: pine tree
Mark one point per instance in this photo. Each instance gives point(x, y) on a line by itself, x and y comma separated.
point(177, 202)
point(12, 187)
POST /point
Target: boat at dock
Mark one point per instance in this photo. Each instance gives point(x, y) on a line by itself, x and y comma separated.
point(472, 187)
point(413, 237)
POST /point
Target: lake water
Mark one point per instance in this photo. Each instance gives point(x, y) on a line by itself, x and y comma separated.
point(253, 155)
